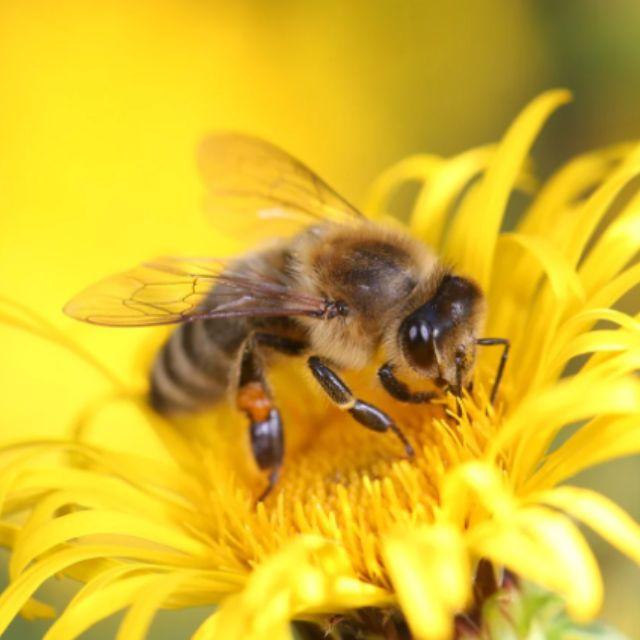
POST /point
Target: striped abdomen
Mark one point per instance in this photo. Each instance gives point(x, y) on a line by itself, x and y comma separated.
point(194, 368)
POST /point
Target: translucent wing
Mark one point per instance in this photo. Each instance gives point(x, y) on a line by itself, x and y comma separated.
point(173, 290)
point(251, 182)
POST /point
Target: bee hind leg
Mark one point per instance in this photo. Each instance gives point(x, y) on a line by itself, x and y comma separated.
point(265, 424)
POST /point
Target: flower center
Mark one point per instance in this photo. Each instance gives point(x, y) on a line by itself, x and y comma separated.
point(341, 481)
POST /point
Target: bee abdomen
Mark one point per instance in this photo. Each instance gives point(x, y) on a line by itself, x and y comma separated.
point(195, 366)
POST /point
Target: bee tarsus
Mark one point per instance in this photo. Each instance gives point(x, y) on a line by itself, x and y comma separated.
point(399, 390)
point(271, 483)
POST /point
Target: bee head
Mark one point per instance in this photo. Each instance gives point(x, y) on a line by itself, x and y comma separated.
point(438, 338)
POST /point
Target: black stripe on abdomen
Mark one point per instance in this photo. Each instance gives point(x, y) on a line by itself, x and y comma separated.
point(195, 365)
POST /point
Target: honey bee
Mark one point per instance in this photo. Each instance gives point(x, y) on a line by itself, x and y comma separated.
point(339, 290)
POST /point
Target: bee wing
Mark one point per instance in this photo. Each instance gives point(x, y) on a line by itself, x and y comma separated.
point(250, 181)
point(174, 290)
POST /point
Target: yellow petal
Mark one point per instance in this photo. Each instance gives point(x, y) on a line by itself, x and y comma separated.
point(563, 279)
point(20, 590)
point(538, 419)
point(613, 290)
point(603, 340)
point(582, 320)
point(604, 438)
point(101, 522)
point(474, 252)
point(596, 207)
point(418, 168)
point(144, 607)
point(84, 612)
point(604, 516)
point(475, 483)
point(618, 244)
point(309, 575)
point(446, 182)
point(231, 626)
point(35, 610)
point(545, 547)
point(567, 185)
point(431, 573)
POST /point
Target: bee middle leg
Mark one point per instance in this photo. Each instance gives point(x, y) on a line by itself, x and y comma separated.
point(265, 424)
point(366, 414)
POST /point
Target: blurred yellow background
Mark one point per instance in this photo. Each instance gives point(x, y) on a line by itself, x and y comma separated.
point(102, 105)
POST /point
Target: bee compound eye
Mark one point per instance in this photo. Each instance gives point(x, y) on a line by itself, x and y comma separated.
point(417, 343)
point(342, 308)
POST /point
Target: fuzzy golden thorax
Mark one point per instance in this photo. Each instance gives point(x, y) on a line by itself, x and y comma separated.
point(376, 272)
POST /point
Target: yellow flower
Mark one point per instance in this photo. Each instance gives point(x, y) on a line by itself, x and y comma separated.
point(353, 524)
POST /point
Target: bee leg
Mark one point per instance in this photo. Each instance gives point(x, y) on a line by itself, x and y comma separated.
point(272, 480)
point(265, 425)
point(399, 390)
point(457, 388)
point(366, 414)
point(281, 344)
point(505, 344)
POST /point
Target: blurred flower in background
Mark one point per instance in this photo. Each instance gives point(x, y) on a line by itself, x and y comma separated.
point(103, 104)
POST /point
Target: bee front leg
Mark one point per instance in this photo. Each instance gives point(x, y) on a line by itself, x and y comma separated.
point(363, 412)
point(399, 390)
point(506, 345)
point(265, 425)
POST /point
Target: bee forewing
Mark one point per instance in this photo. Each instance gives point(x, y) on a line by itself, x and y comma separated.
point(253, 186)
point(156, 293)
point(174, 290)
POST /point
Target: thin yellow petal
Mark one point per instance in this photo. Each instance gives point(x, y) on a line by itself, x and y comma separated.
point(568, 185)
point(431, 573)
point(438, 194)
point(20, 590)
point(613, 250)
point(138, 619)
point(309, 575)
point(603, 340)
point(611, 292)
point(418, 168)
point(547, 548)
point(475, 251)
point(601, 514)
point(101, 522)
point(95, 490)
point(83, 613)
point(475, 483)
point(538, 419)
point(583, 320)
point(36, 610)
point(596, 207)
point(602, 439)
point(564, 281)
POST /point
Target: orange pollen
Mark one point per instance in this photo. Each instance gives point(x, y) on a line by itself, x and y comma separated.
point(254, 401)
